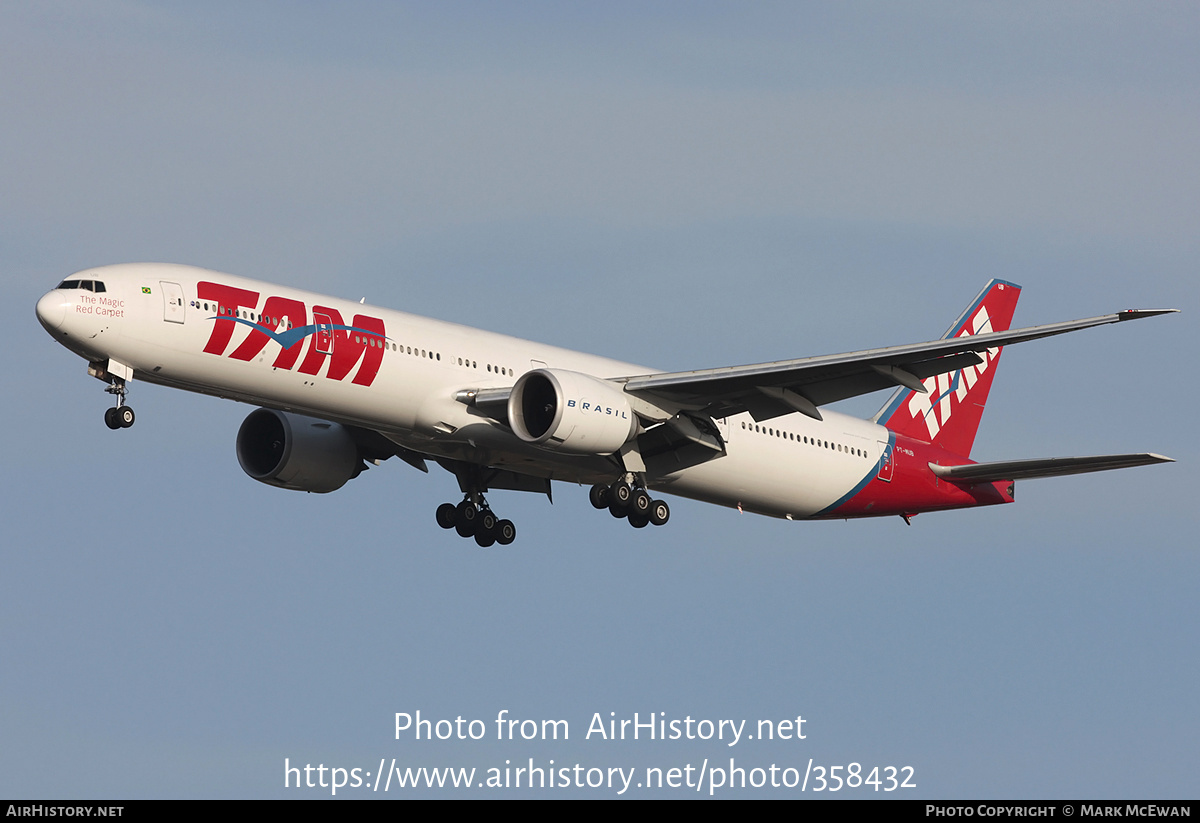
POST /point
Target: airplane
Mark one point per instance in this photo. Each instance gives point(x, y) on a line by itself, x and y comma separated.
point(341, 386)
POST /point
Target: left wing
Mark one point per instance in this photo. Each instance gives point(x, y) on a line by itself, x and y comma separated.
point(768, 390)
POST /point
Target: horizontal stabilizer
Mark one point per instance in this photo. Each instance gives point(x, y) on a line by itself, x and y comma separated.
point(1044, 467)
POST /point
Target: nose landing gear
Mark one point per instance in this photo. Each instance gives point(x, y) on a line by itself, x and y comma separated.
point(120, 416)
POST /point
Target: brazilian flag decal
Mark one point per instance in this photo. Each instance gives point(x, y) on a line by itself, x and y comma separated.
point(145, 289)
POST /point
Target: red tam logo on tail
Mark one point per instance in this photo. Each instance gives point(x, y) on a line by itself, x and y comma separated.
point(948, 414)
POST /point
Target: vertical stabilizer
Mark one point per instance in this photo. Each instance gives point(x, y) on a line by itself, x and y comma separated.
point(948, 414)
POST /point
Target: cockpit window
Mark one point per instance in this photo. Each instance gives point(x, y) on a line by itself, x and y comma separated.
point(86, 285)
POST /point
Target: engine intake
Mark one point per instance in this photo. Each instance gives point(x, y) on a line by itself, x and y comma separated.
point(295, 452)
point(568, 411)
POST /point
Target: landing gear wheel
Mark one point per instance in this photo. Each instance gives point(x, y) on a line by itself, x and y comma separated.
point(445, 515)
point(660, 512)
point(619, 494)
point(639, 504)
point(466, 518)
point(484, 538)
point(638, 521)
point(125, 416)
point(487, 523)
point(599, 496)
point(506, 532)
point(110, 419)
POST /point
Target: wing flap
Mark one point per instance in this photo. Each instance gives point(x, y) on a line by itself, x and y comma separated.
point(1044, 467)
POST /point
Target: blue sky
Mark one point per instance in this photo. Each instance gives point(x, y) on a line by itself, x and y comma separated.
point(682, 185)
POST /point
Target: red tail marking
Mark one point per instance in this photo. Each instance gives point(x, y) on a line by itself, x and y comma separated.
point(948, 414)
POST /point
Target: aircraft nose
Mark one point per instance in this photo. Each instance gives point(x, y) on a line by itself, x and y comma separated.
point(52, 310)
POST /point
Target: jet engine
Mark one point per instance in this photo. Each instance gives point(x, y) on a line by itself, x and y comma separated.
point(571, 412)
point(292, 451)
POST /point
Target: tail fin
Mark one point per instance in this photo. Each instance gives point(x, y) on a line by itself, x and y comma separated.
point(948, 415)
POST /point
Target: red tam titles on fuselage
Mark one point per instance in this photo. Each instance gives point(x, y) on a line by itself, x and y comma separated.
point(285, 320)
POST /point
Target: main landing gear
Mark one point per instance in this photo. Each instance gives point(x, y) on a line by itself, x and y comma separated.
point(474, 518)
point(633, 503)
point(120, 416)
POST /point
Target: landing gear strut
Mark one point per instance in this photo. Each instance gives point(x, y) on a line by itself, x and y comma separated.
point(622, 499)
point(473, 517)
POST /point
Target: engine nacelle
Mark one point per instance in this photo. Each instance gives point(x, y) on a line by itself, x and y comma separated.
point(292, 451)
point(568, 411)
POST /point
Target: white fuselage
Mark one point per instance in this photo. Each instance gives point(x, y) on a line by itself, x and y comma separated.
point(155, 320)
